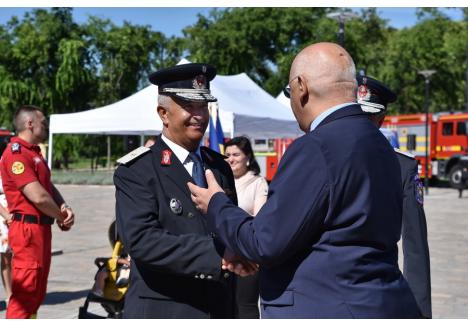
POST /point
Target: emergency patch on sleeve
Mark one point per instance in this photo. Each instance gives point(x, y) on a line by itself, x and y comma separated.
point(17, 167)
point(418, 189)
point(15, 148)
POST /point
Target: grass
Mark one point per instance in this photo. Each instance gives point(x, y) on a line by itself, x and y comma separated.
point(84, 177)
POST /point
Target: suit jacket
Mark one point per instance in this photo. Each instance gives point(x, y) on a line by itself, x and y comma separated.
point(175, 262)
point(326, 239)
point(416, 262)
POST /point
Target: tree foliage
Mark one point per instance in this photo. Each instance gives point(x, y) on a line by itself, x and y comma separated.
point(263, 42)
point(47, 59)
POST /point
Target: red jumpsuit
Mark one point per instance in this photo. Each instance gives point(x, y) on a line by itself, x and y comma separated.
point(30, 232)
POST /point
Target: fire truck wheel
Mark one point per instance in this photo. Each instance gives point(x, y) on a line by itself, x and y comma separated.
point(455, 177)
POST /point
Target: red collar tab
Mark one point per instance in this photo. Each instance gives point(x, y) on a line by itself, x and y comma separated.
point(166, 157)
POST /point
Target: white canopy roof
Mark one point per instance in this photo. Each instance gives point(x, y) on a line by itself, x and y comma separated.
point(284, 100)
point(244, 108)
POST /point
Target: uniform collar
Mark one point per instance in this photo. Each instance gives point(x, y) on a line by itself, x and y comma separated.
point(25, 143)
point(181, 153)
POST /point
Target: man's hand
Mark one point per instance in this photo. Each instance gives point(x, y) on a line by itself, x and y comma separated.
point(200, 196)
point(238, 265)
point(68, 218)
point(8, 220)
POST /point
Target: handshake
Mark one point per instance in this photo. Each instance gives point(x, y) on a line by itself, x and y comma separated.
point(68, 218)
point(237, 264)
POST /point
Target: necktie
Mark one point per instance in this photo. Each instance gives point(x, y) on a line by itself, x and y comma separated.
point(198, 174)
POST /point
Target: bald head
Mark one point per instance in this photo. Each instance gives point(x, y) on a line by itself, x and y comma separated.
point(328, 69)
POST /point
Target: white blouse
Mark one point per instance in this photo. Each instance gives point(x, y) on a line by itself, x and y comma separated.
point(252, 191)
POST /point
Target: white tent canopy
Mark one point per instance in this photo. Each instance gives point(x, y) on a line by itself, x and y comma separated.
point(244, 109)
point(284, 100)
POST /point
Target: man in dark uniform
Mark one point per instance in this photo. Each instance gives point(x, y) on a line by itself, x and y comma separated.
point(35, 204)
point(176, 263)
point(374, 97)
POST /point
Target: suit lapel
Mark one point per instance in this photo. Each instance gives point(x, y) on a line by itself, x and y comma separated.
point(208, 163)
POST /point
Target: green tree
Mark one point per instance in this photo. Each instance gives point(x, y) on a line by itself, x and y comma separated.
point(123, 57)
point(258, 41)
point(43, 54)
point(437, 44)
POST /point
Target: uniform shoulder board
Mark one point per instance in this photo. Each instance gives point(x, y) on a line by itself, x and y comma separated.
point(404, 153)
point(133, 155)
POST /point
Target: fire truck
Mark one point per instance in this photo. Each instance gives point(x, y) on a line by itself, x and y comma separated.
point(268, 152)
point(447, 143)
point(5, 136)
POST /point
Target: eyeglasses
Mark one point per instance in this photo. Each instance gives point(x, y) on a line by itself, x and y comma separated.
point(287, 88)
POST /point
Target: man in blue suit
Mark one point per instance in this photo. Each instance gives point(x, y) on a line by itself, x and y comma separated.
point(326, 240)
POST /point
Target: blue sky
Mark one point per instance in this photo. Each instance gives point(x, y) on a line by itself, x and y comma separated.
point(171, 21)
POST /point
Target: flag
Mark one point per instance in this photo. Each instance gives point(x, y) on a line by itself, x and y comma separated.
point(216, 132)
point(219, 133)
point(214, 144)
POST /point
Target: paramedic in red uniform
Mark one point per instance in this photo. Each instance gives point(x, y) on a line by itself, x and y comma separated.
point(35, 204)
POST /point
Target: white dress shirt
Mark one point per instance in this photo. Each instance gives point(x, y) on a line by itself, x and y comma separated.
point(181, 153)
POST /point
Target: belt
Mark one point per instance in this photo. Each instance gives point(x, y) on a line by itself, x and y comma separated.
point(33, 219)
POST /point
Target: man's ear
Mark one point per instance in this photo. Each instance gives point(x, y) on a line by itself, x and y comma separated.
point(303, 90)
point(162, 112)
point(29, 123)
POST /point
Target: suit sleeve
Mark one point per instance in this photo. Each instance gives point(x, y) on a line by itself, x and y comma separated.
point(148, 243)
point(297, 205)
point(416, 265)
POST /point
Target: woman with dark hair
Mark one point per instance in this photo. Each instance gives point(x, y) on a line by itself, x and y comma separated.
point(252, 190)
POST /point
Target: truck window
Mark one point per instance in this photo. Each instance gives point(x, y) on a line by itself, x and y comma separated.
point(411, 142)
point(461, 127)
point(447, 129)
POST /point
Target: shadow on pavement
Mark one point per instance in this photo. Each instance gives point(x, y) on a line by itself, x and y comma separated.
point(64, 296)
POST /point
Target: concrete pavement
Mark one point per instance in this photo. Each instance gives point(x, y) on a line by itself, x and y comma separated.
point(72, 273)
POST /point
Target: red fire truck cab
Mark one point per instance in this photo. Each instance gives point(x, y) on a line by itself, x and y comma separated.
point(447, 143)
point(268, 152)
point(5, 136)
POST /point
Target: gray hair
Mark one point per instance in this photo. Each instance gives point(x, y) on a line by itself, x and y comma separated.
point(164, 101)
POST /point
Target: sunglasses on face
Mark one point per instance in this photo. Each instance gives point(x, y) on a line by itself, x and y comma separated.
point(287, 88)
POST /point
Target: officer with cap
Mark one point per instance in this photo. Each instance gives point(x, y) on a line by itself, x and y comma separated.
point(176, 263)
point(374, 98)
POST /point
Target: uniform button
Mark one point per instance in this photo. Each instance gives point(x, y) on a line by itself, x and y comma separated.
point(226, 275)
point(202, 276)
point(190, 215)
point(196, 276)
point(209, 277)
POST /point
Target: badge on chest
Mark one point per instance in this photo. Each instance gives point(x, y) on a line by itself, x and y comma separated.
point(176, 206)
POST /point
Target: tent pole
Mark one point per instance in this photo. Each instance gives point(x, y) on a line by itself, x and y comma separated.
point(49, 152)
point(232, 125)
point(142, 139)
point(108, 152)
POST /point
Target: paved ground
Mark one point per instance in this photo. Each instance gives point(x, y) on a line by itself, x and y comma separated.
point(72, 272)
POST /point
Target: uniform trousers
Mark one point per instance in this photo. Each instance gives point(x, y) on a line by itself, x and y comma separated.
point(247, 295)
point(31, 247)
